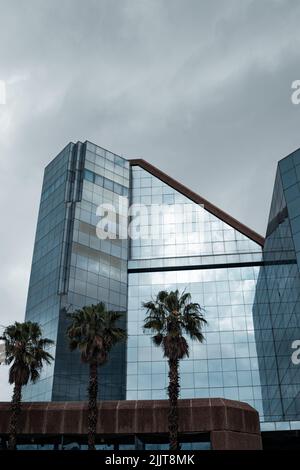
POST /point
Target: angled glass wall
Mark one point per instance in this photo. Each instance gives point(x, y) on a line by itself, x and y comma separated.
point(43, 301)
point(277, 301)
point(218, 266)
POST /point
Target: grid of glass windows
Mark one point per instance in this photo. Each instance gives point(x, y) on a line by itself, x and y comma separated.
point(106, 183)
point(97, 271)
point(226, 364)
point(277, 301)
point(72, 267)
point(43, 303)
point(187, 230)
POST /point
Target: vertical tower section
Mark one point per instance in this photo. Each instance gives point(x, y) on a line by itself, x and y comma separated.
point(83, 269)
point(43, 300)
point(277, 300)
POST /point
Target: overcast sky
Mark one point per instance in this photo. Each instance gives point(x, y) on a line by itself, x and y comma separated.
point(199, 88)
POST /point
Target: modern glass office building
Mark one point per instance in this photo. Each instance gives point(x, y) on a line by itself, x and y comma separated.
point(248, 286)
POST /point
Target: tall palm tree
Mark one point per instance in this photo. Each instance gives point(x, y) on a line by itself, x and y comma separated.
point(94, 332)
point(170, 316)
point(26, 350)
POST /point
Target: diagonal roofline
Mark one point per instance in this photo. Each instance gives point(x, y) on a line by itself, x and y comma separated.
point(234, 223)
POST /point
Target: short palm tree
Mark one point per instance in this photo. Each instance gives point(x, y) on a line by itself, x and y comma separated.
point(26, 350)
point(170, 316)
point(93, 330)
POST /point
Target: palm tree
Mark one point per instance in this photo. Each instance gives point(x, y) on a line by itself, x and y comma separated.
point(170, 316)
point(94, 332)
point(26, 350)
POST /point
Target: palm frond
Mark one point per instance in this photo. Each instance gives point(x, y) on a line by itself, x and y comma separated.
point(94, 330)
point(26, 351)
point(171, 315)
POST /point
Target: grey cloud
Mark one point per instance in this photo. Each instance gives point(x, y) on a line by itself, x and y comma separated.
point(199, 88)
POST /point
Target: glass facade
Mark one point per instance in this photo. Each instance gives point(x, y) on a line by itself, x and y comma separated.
point(189, 256)
point(277, 301)
point(250, 295)
point(43, 302)
point(72, 267)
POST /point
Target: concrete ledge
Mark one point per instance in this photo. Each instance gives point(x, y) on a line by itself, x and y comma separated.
point(231, 424)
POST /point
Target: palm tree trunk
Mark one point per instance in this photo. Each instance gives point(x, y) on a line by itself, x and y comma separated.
point(15, 413)
point(173, 391)
point(92, 408)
